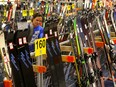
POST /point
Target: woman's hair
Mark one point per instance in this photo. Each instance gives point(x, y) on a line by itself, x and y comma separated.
point(37, 15)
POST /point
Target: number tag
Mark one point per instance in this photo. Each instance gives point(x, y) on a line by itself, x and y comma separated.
point(31, 12)
point(11, 45)
point(68, 7)
point(20, 41)
point(40, 46)
point(73, 6)
point(24, 13)
point(4, 13)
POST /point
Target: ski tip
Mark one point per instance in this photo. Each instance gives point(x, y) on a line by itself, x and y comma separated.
point(99, 44)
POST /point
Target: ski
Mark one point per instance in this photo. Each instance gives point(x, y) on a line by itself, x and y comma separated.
point(54, 54)
point(20, 39)
point(14, 62)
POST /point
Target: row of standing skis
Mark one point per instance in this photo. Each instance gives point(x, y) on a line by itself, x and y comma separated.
point(95, 67)
point(90, 69)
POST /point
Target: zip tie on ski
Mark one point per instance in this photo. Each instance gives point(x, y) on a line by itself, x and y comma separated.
point(83, 61)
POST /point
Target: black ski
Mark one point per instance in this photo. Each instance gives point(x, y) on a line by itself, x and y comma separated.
point(14, 62)
point(24, 58)
point(54, 55)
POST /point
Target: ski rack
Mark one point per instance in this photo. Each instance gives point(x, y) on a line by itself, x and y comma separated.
point(67, 58)
point(39, 68)
point(62, 47)
point(98, 43)
point(39, 75)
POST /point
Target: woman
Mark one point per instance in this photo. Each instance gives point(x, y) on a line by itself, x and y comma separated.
point(36, 31)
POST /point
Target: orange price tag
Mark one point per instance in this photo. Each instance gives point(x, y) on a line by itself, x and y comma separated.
point(7, 83)
point(99, 44)
point(42, 69)
point(114, 40)
point(94, 4)
point(110, 3)
point(90, 50)
point(70, 58)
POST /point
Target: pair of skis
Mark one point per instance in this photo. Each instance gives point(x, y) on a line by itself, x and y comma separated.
point(22, 71)
point(54, 54)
